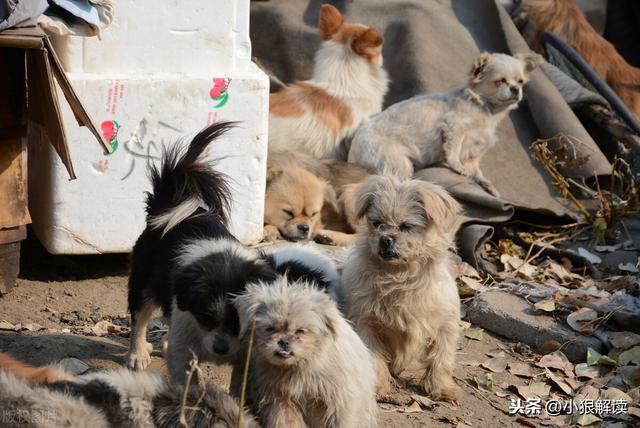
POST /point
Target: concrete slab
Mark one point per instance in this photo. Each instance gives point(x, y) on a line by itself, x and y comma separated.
point(513, 317)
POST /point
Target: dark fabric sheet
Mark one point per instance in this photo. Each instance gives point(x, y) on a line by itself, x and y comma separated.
point(429, 47)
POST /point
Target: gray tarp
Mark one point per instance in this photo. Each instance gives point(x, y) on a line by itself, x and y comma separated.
point(429, 46)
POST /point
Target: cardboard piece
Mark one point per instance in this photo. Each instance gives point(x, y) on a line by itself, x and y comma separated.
point(41, 68)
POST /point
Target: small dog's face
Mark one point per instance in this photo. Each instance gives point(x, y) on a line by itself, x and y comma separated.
point(203, 289)
point(499, 78)
point(293, 321)
point(406, 220)
point(293, 202)
point(364, 41)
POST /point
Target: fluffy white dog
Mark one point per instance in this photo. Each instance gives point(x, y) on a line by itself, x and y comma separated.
point(309, 368)
point(456, 127)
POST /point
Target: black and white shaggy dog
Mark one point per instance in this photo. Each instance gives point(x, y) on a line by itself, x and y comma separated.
point(187, 263)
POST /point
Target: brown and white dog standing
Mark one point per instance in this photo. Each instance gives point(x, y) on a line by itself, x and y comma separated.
point(564, 19)
point(347, 86)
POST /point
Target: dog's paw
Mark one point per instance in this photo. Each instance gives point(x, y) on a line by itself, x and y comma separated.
point(139, 360)
point(447, 392)
point(323, 239)
point(271, 233)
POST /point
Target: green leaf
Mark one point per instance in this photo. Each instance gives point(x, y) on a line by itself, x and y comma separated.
point(594, 358)
point(484, 381)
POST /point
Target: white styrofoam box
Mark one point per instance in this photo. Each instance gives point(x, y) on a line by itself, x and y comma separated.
point(102, 211)
point(210, 36)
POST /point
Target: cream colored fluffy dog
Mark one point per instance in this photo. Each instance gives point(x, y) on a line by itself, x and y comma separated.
point(309, 368)
point(456, 127)
point(401, 295)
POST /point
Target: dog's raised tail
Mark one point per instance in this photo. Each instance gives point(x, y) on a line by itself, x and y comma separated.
point(182, 184)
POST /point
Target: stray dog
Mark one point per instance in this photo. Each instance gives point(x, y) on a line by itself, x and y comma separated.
point(303, 194)
point(456, 127)
point(308, 366)
point(564, 19)
point(347, 86)
point(187, 263)
point(400, 293)
point(118, 398)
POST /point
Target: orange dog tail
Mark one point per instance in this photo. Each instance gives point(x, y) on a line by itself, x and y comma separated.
point(30, 374)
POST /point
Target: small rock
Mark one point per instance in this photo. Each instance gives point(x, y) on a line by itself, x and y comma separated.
point(74, 365)
point(32, 327)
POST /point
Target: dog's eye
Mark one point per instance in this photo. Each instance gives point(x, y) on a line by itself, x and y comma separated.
point(376, 223)
point(314, 214)
point(520, 81)
point(301, 331)
point(269, 329)
point(289, 213)
point(405, 227)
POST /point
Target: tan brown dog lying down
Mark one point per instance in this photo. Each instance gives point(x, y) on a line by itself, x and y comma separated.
point(303, 194)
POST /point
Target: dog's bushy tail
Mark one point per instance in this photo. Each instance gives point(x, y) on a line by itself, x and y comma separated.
point(182, 185)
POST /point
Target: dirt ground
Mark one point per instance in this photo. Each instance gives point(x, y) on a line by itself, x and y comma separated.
point(58, 301)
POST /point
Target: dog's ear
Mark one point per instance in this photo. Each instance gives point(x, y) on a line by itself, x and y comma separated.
point(531, 61)
point(248, 305)
point(273, 173)
point(330, 21)
point(438, 204)
point(479, 67)
point(366, 195)
point(364, 43)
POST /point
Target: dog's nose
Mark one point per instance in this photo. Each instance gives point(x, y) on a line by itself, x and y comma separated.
point(515, 90)
point(303, 228)
point(220, 346)
point(284, 344)
point(386, 241)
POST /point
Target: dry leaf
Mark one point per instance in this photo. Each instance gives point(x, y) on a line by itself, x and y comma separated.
point(413, 408)
point(587, 393)
point(525, 422)
point(587, 371)
point(559, 383)
point(506, 246)
point(472, 283)
point(624, 339)
point(548, 305)
point(474, 333)
point(630, 375)
point(628, 267)
point(484, 381)
point(614, 394)
point(521, 369)
point(423, 401)
point(556, 360)
point(590, 257)
point(548, 347)
point(582, 320)
point(495, 364)
point(586, 419)
point(496, 353)
point(630, 356)
point(533, 390)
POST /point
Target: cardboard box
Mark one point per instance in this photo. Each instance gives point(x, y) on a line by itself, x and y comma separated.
point(103, 211)
point(29, 70)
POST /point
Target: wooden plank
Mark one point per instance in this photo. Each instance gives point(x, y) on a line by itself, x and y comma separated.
point(9, 266)
point(13, 184)
point(13, 234)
